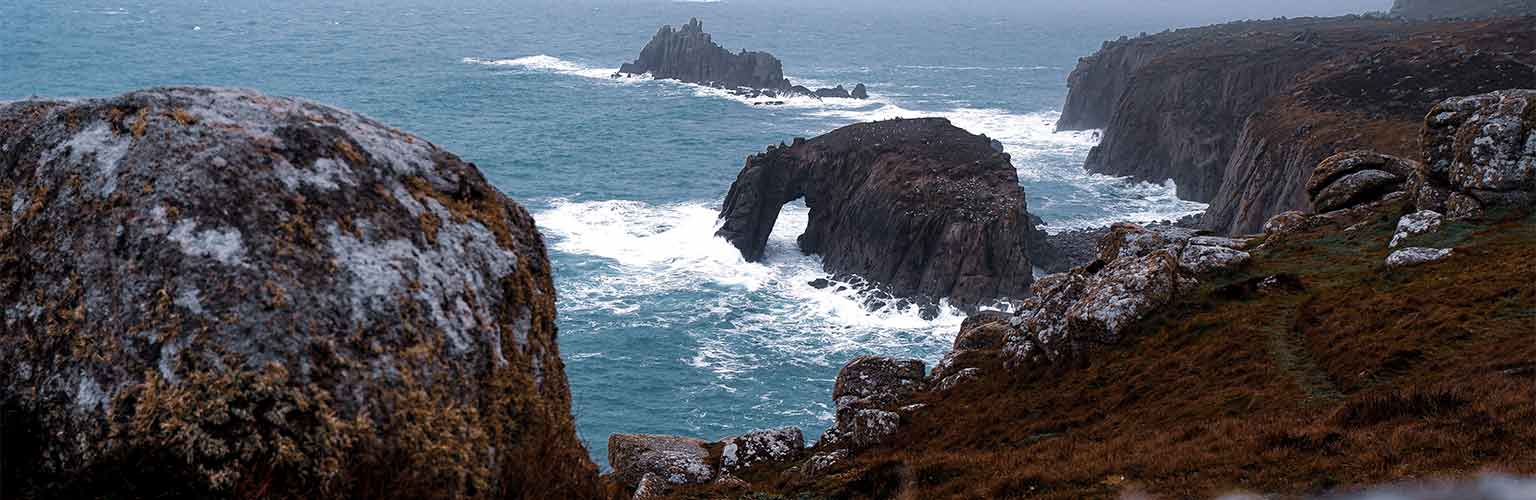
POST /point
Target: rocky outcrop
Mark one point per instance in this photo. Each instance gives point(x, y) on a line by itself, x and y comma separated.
point(760, 447)
point(210, 292)
point(690, 55)
point(869, 394)
point(1464, 9)
point(1480, 152)
point(1353, 178)
point(920, 207)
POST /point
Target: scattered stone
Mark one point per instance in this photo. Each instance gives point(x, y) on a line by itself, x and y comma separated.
point(1416, 255)
point(676, 460)
point(1283, 224)
point(761, 446)
point(1201, 259)
point(960, 377)
point(1414, 224)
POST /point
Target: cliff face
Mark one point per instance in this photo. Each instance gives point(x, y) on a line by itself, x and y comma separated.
point(918, 206)
point(217, 293)
point(1372, 100)
point(691, 55)
point(1468, 9)
point(1178, 113)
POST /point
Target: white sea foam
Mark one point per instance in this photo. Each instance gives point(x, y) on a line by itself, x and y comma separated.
point(550, 64)
point(662, 250)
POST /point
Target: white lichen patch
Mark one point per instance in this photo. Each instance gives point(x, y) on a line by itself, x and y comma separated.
point(187, 298)
point(103, 147)
point(88, 394)
point(325, 174)
point(223, 245)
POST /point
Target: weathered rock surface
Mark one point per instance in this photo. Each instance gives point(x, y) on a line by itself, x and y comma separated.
point(920, 207)
point(241, 291)
point(879, 380)
point(1482, 151)
point(690, 55)
point(675, 460)
point(1096, 304)
point(761, 446)
point(1464, 9)
point(1353, 178)
point(1417, 255)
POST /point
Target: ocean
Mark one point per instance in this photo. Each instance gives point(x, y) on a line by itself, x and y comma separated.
point(664, 328)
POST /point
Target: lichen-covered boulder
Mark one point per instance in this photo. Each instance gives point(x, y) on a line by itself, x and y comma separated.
point(879, 380)
point(262, 296)
point(675, 460)
point(1123, 293)
point(1414, 256)
point(820, 463)
point(865, 427)
point(1482, 150)
point(1126, 240)
point(1354, 178)
point(761, 446)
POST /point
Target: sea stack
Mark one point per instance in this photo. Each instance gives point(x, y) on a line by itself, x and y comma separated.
point(919, 207)
point(214, 293)
point(690, 55)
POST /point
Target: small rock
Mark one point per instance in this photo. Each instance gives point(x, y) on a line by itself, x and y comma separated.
point(879, 380)
point(1415, 224)
point(1417, 255)
point(1217, 241)
point(1200, 259)
point(729, 482)
point(868, 427)
point(1285, 223)
point(1129, 241)
point(960, 377)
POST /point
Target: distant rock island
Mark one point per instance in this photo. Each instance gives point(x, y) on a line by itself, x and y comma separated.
point(690, 55)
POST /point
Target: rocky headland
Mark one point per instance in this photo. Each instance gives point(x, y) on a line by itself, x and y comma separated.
point(213, 293)
point(919, 207)
point(1462, 9)
point(1383, 336)
point(690, 55)
point(1237, 114)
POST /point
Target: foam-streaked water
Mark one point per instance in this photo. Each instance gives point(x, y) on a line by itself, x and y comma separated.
point(665, 329)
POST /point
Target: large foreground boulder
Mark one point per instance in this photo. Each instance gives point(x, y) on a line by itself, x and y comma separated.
point(210, 292)
point(675, 460)
point(920, 207)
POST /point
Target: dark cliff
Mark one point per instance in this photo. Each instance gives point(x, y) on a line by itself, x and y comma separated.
point(691, 55)
point(1372, 100)
point(1176, 115)
point(1214, 109)
point(210, 293)
point(1465, 9)
point(918, 206)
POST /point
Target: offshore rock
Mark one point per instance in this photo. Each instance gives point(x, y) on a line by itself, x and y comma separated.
point(920, 207)
point(262, 296)
point(690, 55)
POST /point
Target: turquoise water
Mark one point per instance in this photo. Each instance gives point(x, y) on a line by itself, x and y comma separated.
point(664, 328)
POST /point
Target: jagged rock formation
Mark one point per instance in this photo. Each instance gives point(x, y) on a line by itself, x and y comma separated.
point(920, 207)
point(209, 292)
point(870, 393)
point(1465, 9)
point(1295, 91)
point(690, 55)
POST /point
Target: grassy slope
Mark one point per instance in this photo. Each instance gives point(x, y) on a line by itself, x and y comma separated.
point(1358, 375)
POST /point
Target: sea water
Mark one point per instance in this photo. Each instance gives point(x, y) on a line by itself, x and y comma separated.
point(664, 328)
